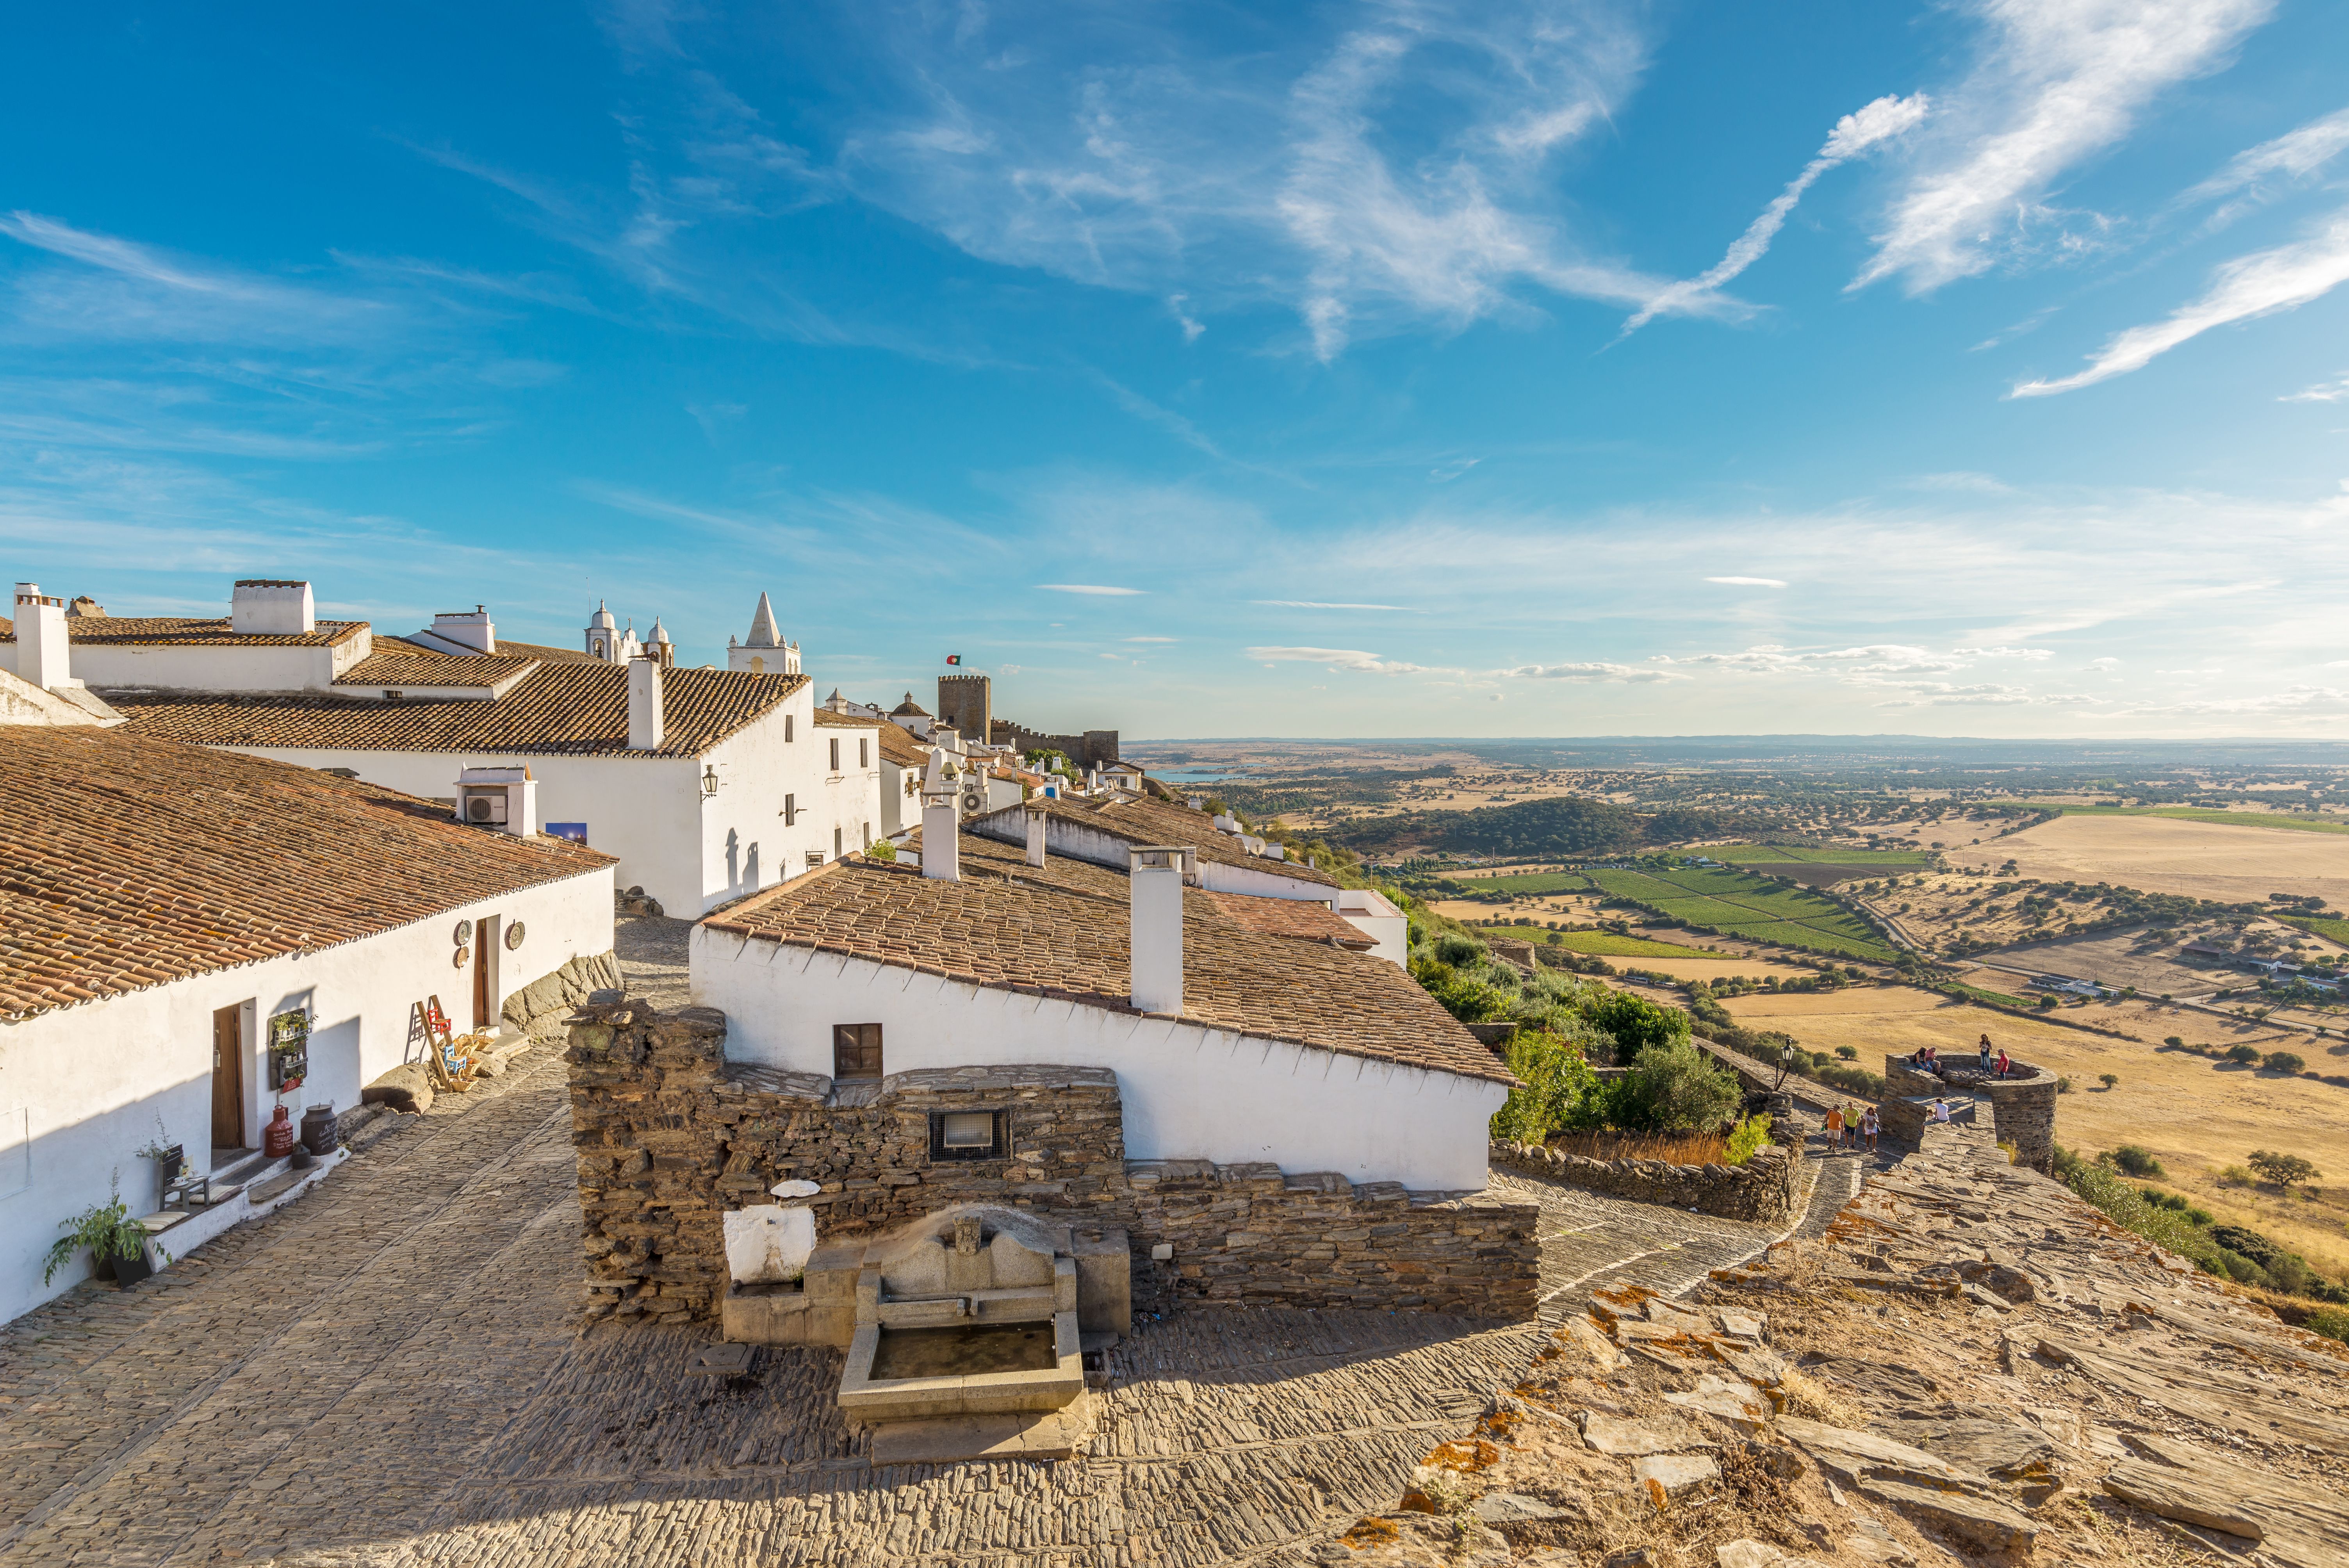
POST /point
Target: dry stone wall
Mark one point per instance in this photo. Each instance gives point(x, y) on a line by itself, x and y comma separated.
point(1761, 1189)
point(669, 1136)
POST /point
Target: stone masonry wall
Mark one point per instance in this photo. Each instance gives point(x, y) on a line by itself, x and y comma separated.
point(2022, 1105)
point(669, 1135)
point(1761, 1189)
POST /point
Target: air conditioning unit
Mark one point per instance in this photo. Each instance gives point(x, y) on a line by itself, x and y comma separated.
point(974, 801)
point(501, 799)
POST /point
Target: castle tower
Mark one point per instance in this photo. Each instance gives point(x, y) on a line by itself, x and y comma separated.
point(966, 705)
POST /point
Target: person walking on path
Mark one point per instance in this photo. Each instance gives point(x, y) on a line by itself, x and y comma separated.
point(1835, 1128)
point(1867, 1127)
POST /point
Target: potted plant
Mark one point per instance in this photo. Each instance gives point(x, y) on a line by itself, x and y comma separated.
point(116, 1240)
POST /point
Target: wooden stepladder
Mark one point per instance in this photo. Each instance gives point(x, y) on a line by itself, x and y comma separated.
point(433, 1038)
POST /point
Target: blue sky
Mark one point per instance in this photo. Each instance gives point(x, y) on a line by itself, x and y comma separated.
point(1976, 368)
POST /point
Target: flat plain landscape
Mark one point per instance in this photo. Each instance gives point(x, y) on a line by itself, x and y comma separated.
point(2162, 854)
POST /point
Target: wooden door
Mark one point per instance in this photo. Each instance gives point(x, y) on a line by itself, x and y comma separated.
point(484, 932)
point(228, 1077)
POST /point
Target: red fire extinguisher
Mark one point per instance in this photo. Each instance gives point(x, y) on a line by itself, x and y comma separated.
point(277, 1138)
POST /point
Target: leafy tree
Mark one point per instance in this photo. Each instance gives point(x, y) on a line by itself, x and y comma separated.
point(2284, 1062)
point(2136, 1159)
point(1671, 1086)
point(1635, 1023)
point(1848, 1053)
point(2246, 1055)
point(1557, 1081)
point(2286, 1170)
point(2108, 1080)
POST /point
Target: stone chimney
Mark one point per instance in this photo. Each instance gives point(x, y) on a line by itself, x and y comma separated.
point(646, 729)
point(1037, 819)
point(1155, 876)
point(270, 607)
point(44, 654)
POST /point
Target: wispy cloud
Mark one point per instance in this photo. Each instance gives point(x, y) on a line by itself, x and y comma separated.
point(1749, 582)
point(1629, 675)
point(2257, 284)
point(1325, 604)
point(2252, 176)
point(1098, 590)
point(1853, 134)
point(2322, 392)
point(1337, 659)
point(2059, 80)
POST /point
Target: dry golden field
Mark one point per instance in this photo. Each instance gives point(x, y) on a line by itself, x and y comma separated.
point(1704, 968)
point(2197, 1116)
point(2160, 854)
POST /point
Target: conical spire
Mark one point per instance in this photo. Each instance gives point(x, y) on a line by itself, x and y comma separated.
point(660, 633)
point(764, 633)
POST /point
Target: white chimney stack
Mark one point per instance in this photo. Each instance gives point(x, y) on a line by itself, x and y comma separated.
point(941, 837)
point(268, 607)
point(646, 729)
point(43, 652)
point(1154, 939)
point(471, 630)
point(1036, 824)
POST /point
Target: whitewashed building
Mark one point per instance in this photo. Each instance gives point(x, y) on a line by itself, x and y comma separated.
point(1242, 1026)
point(705, 784)
point(175, 920)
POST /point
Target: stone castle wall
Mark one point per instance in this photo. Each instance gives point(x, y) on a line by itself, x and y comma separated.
point(669, 1135)
point(2022, 1106)
point(1761, 1189)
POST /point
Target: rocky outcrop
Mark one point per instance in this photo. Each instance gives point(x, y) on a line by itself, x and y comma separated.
point(1969, 1364)
point(1761, 1189)
point(541, 1007)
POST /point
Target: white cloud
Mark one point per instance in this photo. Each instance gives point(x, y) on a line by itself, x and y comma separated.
point(2290, 157)
point(1097, 589)
point(2004, 652)
point(2254, 286)
point(1323, 604)
point(2105, 663)
point(2322, 392)
point(1853, 134)
point(1748, 581)
point(1629, 675)
point(1153, 639)
point(1336, 658)
point(2060, 79)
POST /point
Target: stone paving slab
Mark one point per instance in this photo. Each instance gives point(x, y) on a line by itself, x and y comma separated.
point(392, 1370)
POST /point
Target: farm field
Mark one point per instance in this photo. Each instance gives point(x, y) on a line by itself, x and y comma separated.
point(2198, 1116)
point(2113, 959)
point(2193, 814)
point(1746, 905)
point(1607, 944)
point(1784, 854)
point(1533, 884)
point(2224, 863)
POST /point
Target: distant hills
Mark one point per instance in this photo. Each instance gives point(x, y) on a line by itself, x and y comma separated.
point(1562, 827)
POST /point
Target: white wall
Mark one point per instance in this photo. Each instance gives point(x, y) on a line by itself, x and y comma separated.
point(1190, 1092)
point(83, 1087)
point(224, 668)
point(1083, 842)
point(1367, 911)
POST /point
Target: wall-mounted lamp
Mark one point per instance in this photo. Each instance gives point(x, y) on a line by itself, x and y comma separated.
point(709, 780)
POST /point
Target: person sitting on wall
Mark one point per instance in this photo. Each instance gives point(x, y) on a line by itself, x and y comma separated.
point(1940, 1111)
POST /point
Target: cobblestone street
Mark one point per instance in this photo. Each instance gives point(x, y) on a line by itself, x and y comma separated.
point(391, 1371)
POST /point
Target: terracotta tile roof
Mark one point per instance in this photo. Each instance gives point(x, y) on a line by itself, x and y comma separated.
point(1062, 931)
point(401, 668)
point(547, 654)
point(1143, 820)
point(901, 747)
point(182, 632)
point(127, 862)
point(557, 710)
point(1294, 917)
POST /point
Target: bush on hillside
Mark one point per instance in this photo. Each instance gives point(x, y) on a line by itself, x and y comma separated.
point(2136, 1159)
point(2246, 1055)
point(1558, 1081)
point(2284, 1062)
point(1672, 1087)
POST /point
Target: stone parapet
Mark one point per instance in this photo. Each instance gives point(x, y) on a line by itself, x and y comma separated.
point(1761, 1189)
point(2022, 1105)
point(669, 1136)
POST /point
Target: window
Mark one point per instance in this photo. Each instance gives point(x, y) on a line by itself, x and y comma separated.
point(970, 1135)
point(836, 843)
point(791, 810)
point(835, 754)
point(856, 1051)
point(864, 754)
point(786, 727)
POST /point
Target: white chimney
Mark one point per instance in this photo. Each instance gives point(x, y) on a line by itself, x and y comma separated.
point(1036, 824)
point(471, 631)
point(645, 725)
point(505, 798)
point(941, 837)
point(43, 652)
point(1154, 938)
point(267, 606)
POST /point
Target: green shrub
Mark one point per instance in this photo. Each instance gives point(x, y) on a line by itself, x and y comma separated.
point(2284, 1062)
point(1672, 1087)
point(1848, 1053)
point(1752, 1135)
point(2063, 1086)
point(1635, 1024)
point(880, 850)
point(2331, 1321)
point(1459, 951)
point(2136, 1159)
point(2246, 1055)
point(2109, 1080)
point(2199, 1216)
point(1557, 1081)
